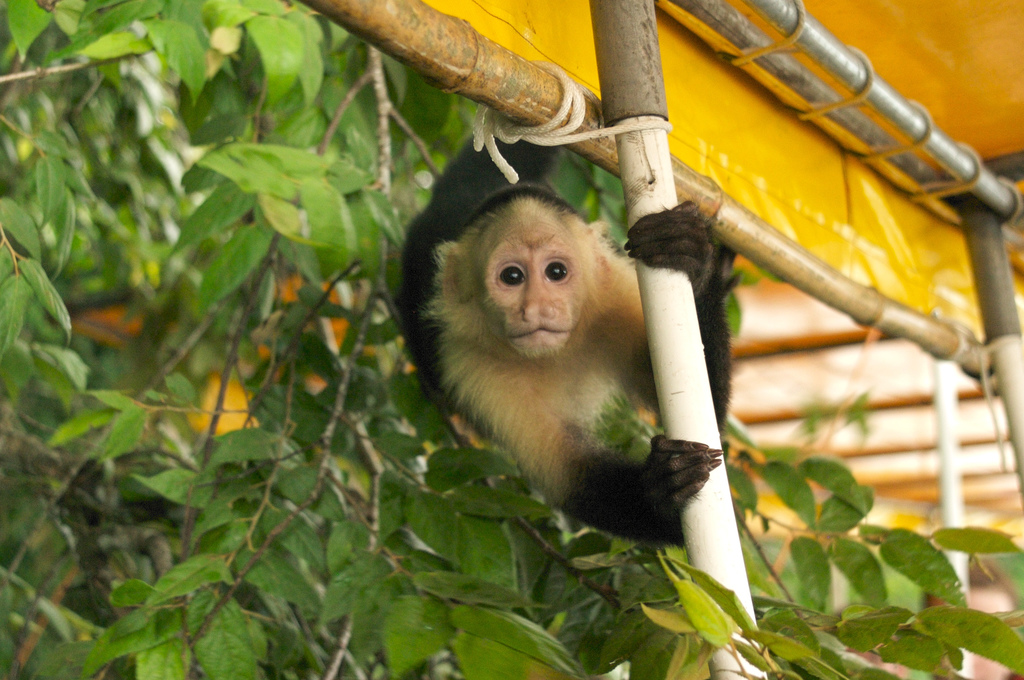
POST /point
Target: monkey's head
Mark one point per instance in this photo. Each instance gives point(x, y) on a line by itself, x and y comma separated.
point(527, 268)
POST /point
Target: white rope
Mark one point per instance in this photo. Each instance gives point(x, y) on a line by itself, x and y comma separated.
point(489, 125)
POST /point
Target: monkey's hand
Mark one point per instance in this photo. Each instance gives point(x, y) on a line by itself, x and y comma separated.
point(675, 471)
point(678, 239)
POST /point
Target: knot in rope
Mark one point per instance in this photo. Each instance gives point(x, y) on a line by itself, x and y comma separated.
point(489, 125)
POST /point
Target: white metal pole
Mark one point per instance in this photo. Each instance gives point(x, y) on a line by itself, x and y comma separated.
point(633, 90)
point(684, 394)
point(951, 496)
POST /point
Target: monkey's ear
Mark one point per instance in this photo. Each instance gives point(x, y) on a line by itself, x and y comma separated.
point(599, 227)
point(456, 272)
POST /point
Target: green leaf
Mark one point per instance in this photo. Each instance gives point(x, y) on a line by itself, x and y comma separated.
point(311, 74)
point(496, 503)
point(19, 224)
point(180, 387)
point(189, 576)
point(283, 217)
point(27, 20)
point(416, 628)
point(130, 593)
point(837, 478)
point(222, 208)
point(125, 433)
point(276, 575)
point(266, 168)
point(64, 229)
point(838, 516)
point(66, 361)
point(171, 484)
point(913, 650)
point(179, 44)
point(47, 295)
point(674, 620)
point(793, 490)
point(711, 622)
point(14, 294)
point(813, 570)
point(282, 51)
point(163, 662)
point(866, 630)
point(975, 540)
point(114, 399)
point(346, 177)
point(518, 633)
point(432, 518)
point(484, 659)
point(51, 180)
point(226, 13)
point(79, 425)
point(244, 445)
point(448, 468)
point(974, 631)
point(916, 558)
point(139, 630)
point(861, 568)
point(781, 645)
point(330, 221)
point(226, 651)
point(723, 597)
point(115, 45)
point(356, 585)
point(484, 551)
point(743, 487)
point(68, 14)
point(469, 589)
point(236, 260)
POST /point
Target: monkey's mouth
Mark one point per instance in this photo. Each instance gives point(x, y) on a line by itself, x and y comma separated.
point(539, 339)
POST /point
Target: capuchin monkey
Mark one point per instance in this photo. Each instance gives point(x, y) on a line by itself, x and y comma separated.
point(527, 320)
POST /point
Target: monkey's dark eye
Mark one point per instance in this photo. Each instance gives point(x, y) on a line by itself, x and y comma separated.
point(512, 276)
point(556, 271)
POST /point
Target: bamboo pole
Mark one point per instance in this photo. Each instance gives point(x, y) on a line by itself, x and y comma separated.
point(455, 58)
point(629, 64)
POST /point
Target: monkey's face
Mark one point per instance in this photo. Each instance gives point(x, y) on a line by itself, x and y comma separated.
point(534, 286)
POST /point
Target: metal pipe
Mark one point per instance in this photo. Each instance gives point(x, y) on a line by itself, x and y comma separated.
point(993, 281)
point(832, 55)
point(629, 67)
point(858, 128)
point(455, 58)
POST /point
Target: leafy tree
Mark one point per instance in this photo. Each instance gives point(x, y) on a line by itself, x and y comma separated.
point(216, 457)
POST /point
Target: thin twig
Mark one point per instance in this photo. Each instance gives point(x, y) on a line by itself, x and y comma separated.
point(229, 366)
point(293, 345)
point(339, 656)
point(605, 591)
point(185, 347)
point(384, 107)
point(742, 523)
point(43, 72)
point(421, 146)
point(360, 83)
point(324, 447)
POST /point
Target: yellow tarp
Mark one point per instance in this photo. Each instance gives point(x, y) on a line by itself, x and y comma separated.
point(790, 173)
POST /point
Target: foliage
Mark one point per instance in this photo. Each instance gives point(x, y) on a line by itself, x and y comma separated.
point(216, 458)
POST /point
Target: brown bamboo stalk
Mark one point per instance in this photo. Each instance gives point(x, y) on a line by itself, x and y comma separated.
point(449, 53)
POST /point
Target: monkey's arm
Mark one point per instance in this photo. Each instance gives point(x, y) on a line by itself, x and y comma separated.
point(642, 501)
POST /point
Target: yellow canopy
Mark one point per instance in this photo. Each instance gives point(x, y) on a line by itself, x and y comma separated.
point(954, 57)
